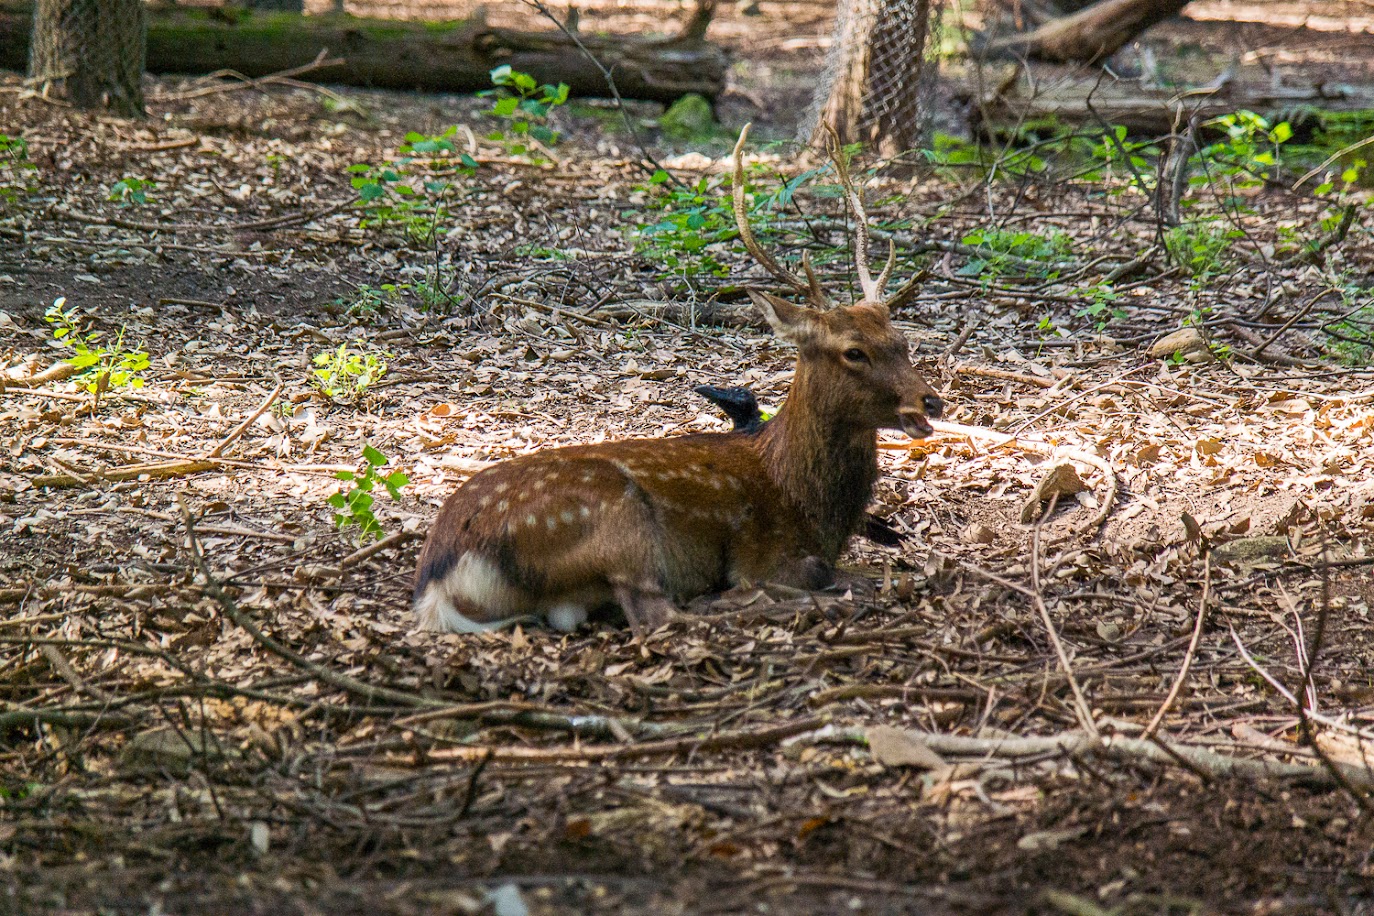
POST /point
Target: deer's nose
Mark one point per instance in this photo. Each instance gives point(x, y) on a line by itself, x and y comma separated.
point(933, 405)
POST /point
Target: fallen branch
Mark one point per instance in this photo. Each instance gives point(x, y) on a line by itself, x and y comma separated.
point(155, 471)
point(391, 540)
point(242, 427)
point(1081, 746)
point(55, 373)
point(1005, 375)
point(763, 737)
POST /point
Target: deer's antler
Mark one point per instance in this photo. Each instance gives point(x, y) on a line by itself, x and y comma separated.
point(811, 286)
point(873, 290)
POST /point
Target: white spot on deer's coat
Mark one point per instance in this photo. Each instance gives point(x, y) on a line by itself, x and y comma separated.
point(502, 487)
point(550, 523)
point(567, 516)
point(585, 512)
point(530, 520)
point(503, 505)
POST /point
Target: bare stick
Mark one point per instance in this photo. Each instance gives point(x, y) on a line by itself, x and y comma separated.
point(242, 427)
point(1081, 708)
point(1078, 746)
point(1188, 656)
point(762, 737)
point(371, 550)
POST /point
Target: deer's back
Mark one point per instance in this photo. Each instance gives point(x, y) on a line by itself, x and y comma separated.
point(697, 513)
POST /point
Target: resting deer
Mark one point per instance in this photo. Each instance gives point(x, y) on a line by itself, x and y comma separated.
point(646, 523)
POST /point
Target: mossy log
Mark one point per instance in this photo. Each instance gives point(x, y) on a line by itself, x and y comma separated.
point(1050, 97)
point(455, 56)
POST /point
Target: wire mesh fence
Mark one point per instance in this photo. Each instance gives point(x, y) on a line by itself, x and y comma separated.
point(93, 50)
point(879, 80)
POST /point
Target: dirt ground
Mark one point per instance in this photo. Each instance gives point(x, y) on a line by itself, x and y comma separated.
point(259, 731)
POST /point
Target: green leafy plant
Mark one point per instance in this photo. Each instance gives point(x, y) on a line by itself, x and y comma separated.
point(14, 164)
point(99, 368)
point(1102, 307)
point(524, 105)
point(347, 372)
point(408, 196)
point(1004, 252)
point(1352, 335)
point(368, 302)
point(692, 219)
point(353, 506)
point(1202, 246)
point(131, 191)
point(1248, 156)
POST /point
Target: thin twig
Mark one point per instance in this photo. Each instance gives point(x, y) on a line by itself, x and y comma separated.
point(1081, 708)
point(610, 84)
point(1187, 656)
point(242, 427)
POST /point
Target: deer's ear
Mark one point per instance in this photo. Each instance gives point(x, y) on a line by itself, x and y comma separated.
point(796, 323)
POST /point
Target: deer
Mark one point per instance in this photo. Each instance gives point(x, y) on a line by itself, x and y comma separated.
point(649, 524)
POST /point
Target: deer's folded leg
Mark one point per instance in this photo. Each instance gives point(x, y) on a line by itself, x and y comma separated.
point(645, 609)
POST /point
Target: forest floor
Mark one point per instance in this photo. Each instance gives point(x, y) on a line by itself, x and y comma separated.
point(213, 700)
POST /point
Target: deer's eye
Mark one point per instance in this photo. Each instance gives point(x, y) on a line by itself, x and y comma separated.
point(855, 355)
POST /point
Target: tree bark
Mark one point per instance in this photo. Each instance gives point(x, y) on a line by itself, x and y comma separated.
point(880, 77)
point(392, 54)
point(1090, 35)
point(1084, 100)
point(91, 51)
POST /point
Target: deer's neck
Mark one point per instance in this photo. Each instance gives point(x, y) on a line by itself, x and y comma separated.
point(823, 462)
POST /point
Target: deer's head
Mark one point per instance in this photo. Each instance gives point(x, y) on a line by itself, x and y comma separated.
point(852, 354)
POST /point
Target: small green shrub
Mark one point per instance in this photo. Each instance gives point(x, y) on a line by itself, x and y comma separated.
point(368, 302)
point(131, 191)
point(397, 197)
point(692, 219)
point(1006, 252)
point(100, 368)
point(1248, 156)
point(1202, 247)
point(347, 372)
point(523, 104)
point(353, 507)
point(1102, 307)
point(15, 168)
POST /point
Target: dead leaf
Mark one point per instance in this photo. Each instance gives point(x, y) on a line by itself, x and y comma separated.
point(1061, 480)
point(896, 747)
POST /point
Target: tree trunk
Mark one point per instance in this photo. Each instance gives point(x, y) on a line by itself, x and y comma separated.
point(392, 54)
point(92, 51)
point(879, 76)
point(1090, 35)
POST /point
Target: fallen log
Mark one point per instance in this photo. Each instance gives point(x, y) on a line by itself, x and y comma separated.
point(1084, 100)
point(456, 56)
point(1090, 35)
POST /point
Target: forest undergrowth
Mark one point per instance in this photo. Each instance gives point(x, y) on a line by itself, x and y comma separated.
point(1119, 662)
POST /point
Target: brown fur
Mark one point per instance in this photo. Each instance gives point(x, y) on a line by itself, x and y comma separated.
point(642, 521)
